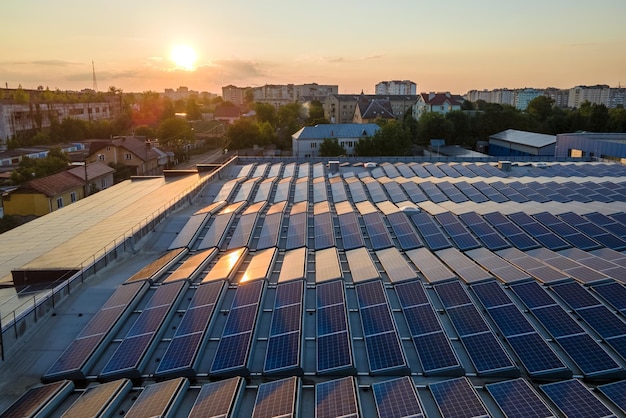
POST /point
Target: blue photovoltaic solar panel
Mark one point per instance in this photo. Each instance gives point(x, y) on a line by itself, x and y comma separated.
point(127, 359)
point(588, 355)
point(452, 294)
point(467, 320)
point(488, 355)
point(336, 398)
point(532, 295)
point(457, 398)
point(510, 320)
point(296, 232)
point(425, 223)
point(406, 234)
point(396, 195)
point(614, 293)
point(334, 351)
point(616, 392)
point(603, 321)
point(537, 356)
point(377, 231)
point(182, 350)
point(234, 346)
point(574, 399)
point(78, 353)
point(351, 234)
point(324, 231)
point(416, 195)
point(485, 232)
point(557, 321)
point(533, 351)
point(517, 399)
point(283, 350)
point(575, 295)
point(397, 398)
point(491, 294)
point(382, 342)
point(607, 223)
point(433, 347)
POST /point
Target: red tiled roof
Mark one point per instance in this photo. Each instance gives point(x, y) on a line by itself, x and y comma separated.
point(55, 184)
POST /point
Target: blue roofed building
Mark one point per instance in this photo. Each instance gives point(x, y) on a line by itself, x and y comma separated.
point(511, 143)
point(606, 146)
point(307, 141)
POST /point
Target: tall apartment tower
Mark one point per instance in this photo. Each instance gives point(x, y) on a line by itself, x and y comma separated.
point(396, 87)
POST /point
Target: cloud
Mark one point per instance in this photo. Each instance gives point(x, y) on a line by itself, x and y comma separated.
point(50, 63)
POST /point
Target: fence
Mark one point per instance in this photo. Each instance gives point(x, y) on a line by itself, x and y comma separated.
point(20, 321)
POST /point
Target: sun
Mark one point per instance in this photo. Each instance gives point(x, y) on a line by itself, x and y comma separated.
point(184, 57)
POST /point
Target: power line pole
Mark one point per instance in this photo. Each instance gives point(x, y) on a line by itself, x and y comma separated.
point(95, 83)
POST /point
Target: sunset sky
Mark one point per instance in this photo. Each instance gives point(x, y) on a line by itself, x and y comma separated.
point(455, 46)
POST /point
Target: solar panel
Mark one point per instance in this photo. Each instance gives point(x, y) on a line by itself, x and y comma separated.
point(614, 293)
point(361, 266)
point(351, 234)
point(99, 400)
point(574, 399)
point(276, 399)
point(297, 231)
point(191, 266)
point(131, 355)
point(234, 345)
point(452, 294)
point(397, 398)
point(181, 353)
point(396, 267)
point(404, 231)
point(270, 231)
point(488, 355)
point(333, 340)
point(532, 295)
point(77, 357)
point(377, 231)
point(382, 342)
point(324, 231)
point(616, 392)
point(590, 357)
point(430, 266)
point(457, 398)
point(189, 232)
point(159, 399)
point(491, 294)
point(433, 347)
point(39, 400)
point(283, 351)
point(517, 398)
point(336, 398)
point(217, 399)
point(293, 266)
point(154, 269)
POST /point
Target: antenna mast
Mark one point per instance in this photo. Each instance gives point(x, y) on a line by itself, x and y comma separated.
point(95, 83)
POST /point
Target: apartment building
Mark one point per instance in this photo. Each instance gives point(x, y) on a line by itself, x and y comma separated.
point(396, 87)
point(282, 94)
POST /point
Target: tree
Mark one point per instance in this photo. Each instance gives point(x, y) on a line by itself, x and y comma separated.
point(174, 132)
point(266, 113)
point(392, 139)
point(243, 133)
point(315, 114)
point(33, 168)
point(145, 130)
point(540, 108)
point(330, 148)
point(193, 110)
point(433, 125)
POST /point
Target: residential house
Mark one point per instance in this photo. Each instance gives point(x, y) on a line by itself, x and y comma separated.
point(306, 142)
point(228, 114)
point(436, 102)
point(340, 108)
point(135, 152)
point(371, 110)
point(47, 194)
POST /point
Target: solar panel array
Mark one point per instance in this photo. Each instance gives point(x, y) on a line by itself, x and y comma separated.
point(330, 294)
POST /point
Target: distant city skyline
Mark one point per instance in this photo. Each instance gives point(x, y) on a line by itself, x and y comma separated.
point(457, 46)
